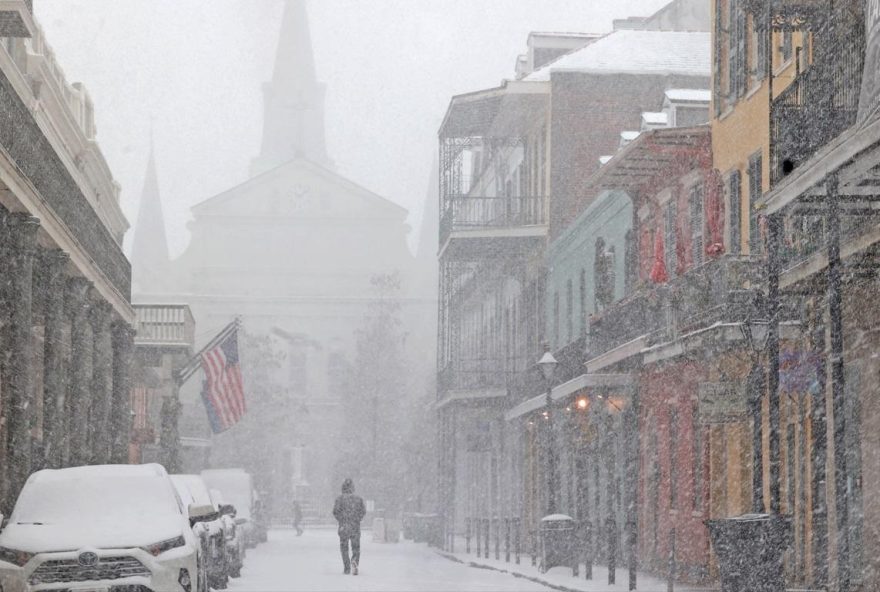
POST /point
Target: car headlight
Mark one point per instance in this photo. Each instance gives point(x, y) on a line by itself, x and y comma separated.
point(159, 548)
point(14, 557)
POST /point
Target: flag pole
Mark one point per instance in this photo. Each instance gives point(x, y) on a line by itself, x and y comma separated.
point(194, 363)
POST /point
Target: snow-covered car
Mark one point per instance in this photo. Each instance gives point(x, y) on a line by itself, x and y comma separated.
point(99, 528)
point(235, 544)
point(237, 488)
point(209, 529)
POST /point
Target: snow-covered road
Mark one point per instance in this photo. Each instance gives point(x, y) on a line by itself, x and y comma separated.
point(311, 563)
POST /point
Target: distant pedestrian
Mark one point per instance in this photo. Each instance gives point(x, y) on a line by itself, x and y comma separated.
point(297, 518)
point(349, 510)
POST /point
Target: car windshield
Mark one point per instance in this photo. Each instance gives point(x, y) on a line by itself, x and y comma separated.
point(80, 500)
point(235, 487)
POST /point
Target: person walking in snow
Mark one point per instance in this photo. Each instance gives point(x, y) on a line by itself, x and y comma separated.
point(297, 518)
point(349, 510)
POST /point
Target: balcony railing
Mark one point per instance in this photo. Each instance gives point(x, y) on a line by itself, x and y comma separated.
point(820, 104)
point(475, 374)
point(463, 213)
point(165, 324)
point(720, 291)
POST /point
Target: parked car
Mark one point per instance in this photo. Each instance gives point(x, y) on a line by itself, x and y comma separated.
point(100, 527)
point(237, 488)
point(194, 492)
point(234, 535)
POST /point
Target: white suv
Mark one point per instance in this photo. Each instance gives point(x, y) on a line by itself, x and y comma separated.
point(99, 528)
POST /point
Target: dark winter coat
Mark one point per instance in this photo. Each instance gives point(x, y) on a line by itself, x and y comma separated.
point(349, 510)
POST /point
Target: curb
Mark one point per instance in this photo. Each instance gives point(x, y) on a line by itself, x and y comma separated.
point(534, 579)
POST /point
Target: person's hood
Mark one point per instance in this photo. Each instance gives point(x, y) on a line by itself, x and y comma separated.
point(43, 538)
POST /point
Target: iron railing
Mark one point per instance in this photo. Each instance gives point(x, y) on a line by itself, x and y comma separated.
point(821, 103)
point(165, 324)
point(464, 212)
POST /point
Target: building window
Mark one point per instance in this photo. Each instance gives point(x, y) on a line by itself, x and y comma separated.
point(631, 261)
point(787, 45)
point(697, 224)
point(755, 192)
point(737, 50)
point(603, 275)
point(569, 309)
point(761, 42)
point(734, 185)
point(671, 238)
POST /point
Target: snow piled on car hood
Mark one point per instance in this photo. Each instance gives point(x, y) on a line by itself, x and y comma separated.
point(47, 538)
point(98, 507)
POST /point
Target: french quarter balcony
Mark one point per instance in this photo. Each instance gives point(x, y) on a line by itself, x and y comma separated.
point(473, 380)
point(164, 325)
point(487, 227)
point(719, 291)
point(16, 18)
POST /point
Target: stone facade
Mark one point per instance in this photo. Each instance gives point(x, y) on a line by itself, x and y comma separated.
point(63, 376)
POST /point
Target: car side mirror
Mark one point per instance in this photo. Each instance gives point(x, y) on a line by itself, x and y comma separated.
point(227, 510)
point(2, 521)
point(199, 513)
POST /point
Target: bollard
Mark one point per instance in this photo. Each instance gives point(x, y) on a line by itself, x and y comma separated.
point(479, 540)
point(517, 539)
point(497, 528)
point(507, 540)
point(670, 584)
point(467, 535)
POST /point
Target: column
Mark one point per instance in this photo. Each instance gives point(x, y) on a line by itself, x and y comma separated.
point(120, 411)
point(54, 380)
point(22, 249)
point(102, 384)
point(75, 444)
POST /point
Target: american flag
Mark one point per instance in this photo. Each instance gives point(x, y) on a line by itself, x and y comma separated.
point(223, 392)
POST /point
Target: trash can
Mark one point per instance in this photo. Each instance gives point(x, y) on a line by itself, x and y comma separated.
point(750, 551)
point(558, 541)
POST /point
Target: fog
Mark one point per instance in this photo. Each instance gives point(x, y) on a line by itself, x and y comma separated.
point(193, 70)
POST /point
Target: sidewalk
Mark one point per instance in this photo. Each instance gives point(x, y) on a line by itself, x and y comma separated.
point(560, 578)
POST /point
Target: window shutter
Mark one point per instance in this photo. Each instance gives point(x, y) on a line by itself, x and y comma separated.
point(735, 185)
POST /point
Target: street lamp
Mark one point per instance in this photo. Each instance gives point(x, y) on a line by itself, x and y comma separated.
point(548, 365)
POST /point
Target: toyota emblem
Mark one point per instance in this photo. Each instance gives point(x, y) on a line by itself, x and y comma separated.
point(88, 559)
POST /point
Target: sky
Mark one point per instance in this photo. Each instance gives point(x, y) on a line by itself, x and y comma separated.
point(189, 74)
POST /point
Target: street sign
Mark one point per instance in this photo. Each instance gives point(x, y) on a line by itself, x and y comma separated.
point(722, 402)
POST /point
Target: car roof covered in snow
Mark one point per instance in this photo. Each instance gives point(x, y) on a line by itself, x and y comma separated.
point(637, 52)
point(196, 488)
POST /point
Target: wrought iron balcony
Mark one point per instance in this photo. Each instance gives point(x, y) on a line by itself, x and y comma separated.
point(164, 324)
point(16, 18)
point(489, 215)
point(484, 374)
point(720, 291)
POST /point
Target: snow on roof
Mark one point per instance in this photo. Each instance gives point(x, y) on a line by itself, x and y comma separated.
point(641, 52)
point(655, 118)
point(564, 34)
point(629, 136)
point(689, 95)
point(603, 160)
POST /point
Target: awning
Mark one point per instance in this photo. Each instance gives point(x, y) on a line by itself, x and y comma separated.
point(568, 389)
point(470, 395)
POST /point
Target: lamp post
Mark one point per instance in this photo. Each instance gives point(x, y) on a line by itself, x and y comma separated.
point(548, 365)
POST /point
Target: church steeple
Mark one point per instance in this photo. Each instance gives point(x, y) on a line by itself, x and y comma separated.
point(293, 113)
point(149, 252)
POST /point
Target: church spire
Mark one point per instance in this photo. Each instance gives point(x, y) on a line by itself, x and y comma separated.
point(293, 112)
point(149, 252)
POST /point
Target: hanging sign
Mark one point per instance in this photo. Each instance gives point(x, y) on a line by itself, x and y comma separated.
point(869, 100)
point(723, 402)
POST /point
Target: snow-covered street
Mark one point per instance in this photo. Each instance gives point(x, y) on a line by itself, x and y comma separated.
point(288, 563)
